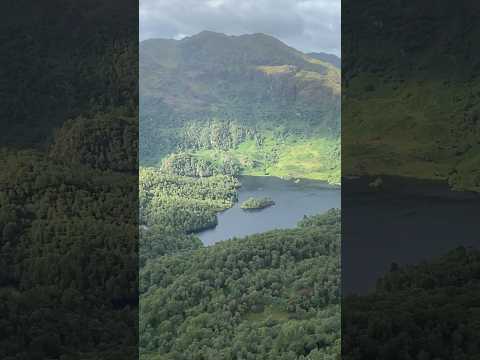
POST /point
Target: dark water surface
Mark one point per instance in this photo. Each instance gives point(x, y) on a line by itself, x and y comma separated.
point(406, 222)
point(292, 202)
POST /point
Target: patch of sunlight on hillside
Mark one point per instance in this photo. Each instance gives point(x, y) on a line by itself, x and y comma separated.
point(279, 69)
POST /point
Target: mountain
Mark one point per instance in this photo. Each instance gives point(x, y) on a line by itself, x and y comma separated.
point(329, 58)
point(411, 93)
point(247, 97)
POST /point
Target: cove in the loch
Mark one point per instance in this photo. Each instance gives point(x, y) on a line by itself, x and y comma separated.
point(292, 200)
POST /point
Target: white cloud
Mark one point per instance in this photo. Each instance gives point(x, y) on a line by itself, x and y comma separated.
point(308, 25)
point(180, 36)
point(215, 3)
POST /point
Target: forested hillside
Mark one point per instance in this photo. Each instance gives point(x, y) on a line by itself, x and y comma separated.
point(68, 184)
point(249, 100)
point(274, 295)
point(268, 296)
point(411, 90)
point(427, 311)
point(213, 107)
point(183, 203)
point(68, 284)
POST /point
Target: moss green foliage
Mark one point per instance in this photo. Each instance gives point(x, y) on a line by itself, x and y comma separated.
point(102, 142)
point(181, 203)
point(254, 203)
point(190, 165)
point(157, 240)
point(272, 296)
point(214, 96)
point(68, 259)
point(411, 102)
point(427, 311)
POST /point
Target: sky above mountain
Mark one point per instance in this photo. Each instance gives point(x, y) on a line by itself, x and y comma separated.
point(307, 25)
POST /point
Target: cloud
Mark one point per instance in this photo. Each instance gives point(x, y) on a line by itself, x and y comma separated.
point(308, 25)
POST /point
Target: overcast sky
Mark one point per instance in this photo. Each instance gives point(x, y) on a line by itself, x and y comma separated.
point(307, 25)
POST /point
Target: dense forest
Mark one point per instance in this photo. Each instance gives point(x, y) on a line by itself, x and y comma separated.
point(268, 296)
point(68, 283)
point(274, 295)
point(69, 185)
point(410, 108)
point(187, 164)
point(182, 203)
point(426, 311)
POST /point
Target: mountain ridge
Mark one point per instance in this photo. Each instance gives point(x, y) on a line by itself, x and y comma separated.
point(327, 57)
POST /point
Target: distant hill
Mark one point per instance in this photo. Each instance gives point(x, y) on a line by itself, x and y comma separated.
point(329, 58)
point(253, 83)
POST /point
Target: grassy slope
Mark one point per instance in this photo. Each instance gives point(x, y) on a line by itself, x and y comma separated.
point(307, 158)
point(423, 136)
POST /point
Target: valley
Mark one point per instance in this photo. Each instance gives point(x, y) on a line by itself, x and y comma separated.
point(223, 119)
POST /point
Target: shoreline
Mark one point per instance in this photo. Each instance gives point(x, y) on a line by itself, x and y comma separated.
point(296, 180)
point(406, 186)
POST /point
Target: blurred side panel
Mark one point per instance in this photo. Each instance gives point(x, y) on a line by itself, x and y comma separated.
point(411, 179)
point(68, 180)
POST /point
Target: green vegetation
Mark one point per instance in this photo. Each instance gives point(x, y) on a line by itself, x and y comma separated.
point(181, 203)
point(253, 203)
point(68, 256)
point(214, 107)
point(156, 241)
point(404, 115)
point(68, 181)
point(317, 159)
point(187, 164)
point(271, 110)
point(274, 296)
point(49, 82)
point(103, 142)
point(427, 311)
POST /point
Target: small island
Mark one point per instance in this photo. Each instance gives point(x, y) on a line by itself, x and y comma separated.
point(257, 204)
